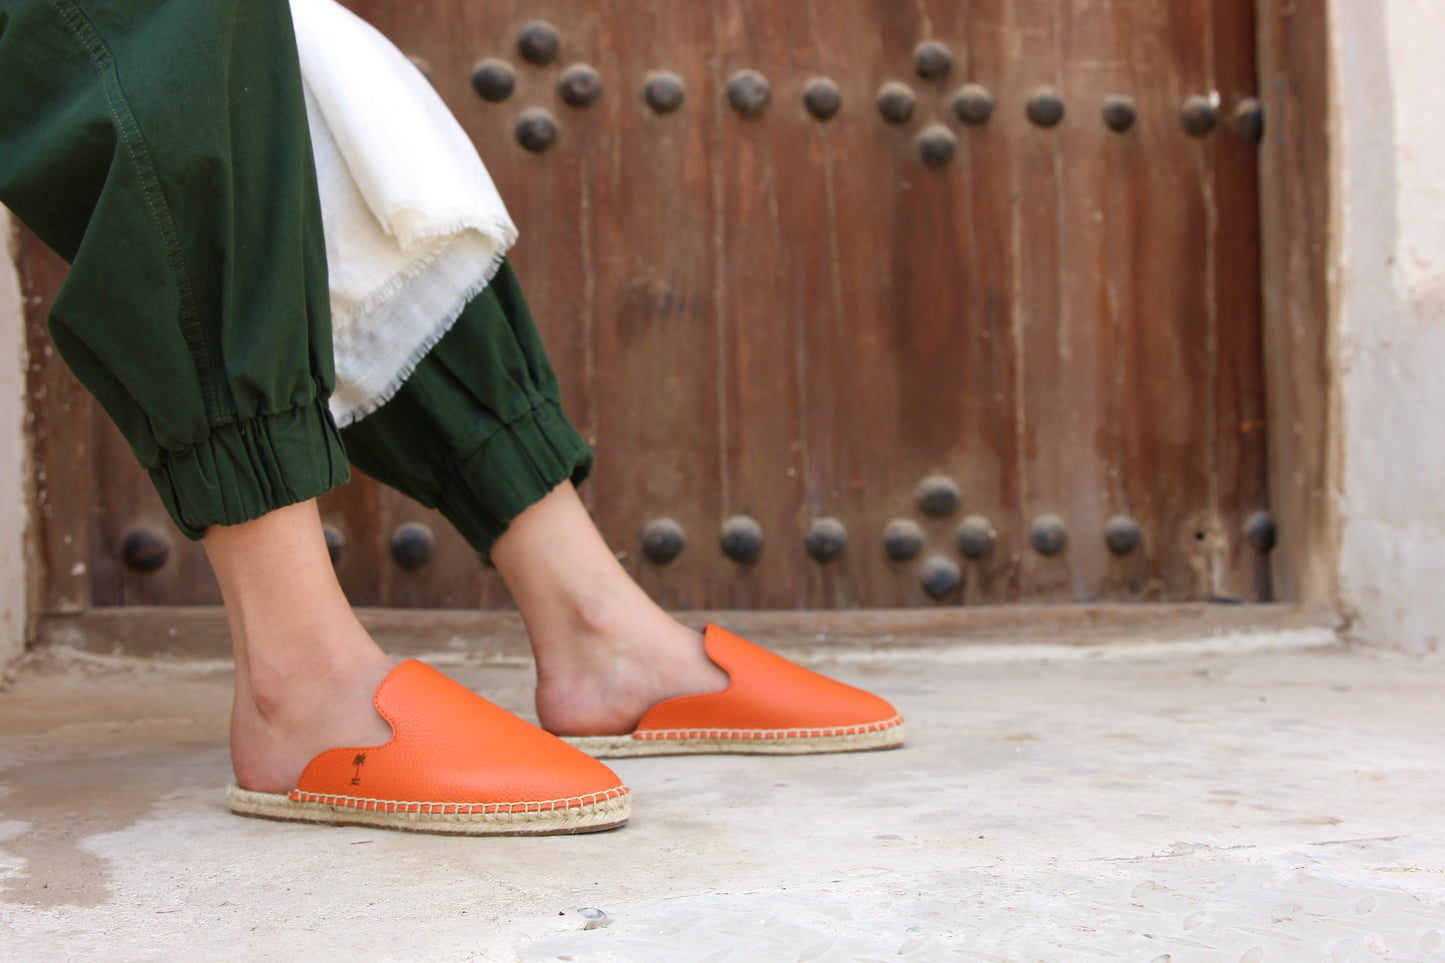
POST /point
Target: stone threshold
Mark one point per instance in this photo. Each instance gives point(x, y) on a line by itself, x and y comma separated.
point(176, 633)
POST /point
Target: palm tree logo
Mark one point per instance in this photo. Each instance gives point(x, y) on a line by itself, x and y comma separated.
point(358, 762)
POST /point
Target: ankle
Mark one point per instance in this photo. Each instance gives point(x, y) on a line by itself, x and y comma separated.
point(312, 696)
point(598, 622)
point(287, 665)
point(603, 650)
point(605, 684)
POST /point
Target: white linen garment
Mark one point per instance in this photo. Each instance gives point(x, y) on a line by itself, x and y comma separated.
point(414, 225)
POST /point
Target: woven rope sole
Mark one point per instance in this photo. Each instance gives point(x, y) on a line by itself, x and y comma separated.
point(589, 817)
point(747, 742)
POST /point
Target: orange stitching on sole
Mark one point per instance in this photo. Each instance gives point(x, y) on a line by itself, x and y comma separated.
point(452, 808)
point(756, 734)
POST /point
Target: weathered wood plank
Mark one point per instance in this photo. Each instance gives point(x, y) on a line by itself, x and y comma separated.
point(1240, 475)
point(1041, 296)
point(655, 273)
point(60, 425)
point(1089, 59)
point(1294, 170)
point(989, 467)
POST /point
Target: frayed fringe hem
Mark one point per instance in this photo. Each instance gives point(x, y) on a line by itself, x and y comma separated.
point(353, 413)
point(499, 231)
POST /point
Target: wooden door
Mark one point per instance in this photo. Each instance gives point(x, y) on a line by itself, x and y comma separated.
point(861, 304)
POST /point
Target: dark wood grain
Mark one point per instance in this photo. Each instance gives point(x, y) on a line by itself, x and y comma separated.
point(988, 461)
point(60, 446)
point(1089, 56)
point(119, 509)
point(657, 318)
point(1164, 381)
point(1042, 301)
point(1240, 471)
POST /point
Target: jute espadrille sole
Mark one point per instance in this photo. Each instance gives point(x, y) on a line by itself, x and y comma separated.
point(759, 742)
point(585, 815)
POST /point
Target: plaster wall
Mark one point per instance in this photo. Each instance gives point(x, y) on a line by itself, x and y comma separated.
point(14, 466)
point(1388, 266)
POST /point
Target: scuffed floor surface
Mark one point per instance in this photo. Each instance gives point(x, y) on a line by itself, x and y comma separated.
point(1246, 806)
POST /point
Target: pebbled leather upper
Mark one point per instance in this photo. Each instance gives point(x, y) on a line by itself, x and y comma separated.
point(767, 693)
point(451, 746)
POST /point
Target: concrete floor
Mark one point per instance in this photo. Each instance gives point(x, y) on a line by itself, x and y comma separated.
point(1250, 799)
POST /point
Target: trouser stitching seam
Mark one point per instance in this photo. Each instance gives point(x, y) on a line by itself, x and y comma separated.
point(532, 414)
point(454, 478)
point(135, 145)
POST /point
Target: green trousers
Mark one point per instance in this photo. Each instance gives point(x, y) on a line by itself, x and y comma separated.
point(160, 147)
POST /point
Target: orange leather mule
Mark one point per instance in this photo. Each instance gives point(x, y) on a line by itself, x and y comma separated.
point(455, 764)
point(770, 706)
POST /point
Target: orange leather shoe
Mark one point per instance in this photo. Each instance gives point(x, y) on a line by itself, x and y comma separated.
point(455, 764)
point(769, 706)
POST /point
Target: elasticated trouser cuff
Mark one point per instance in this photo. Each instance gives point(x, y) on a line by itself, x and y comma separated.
point(515, 467)
point(477, 430)
point(182, 191)
point(161, 149)
point(246, 469)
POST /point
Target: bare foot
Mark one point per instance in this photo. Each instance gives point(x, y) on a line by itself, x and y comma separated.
point(306, 670)
point(606, 653)
point(612, 676)
point(285, 716)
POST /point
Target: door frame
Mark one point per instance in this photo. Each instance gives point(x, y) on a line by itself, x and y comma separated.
point(1296, 158)
point(1293, 56)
